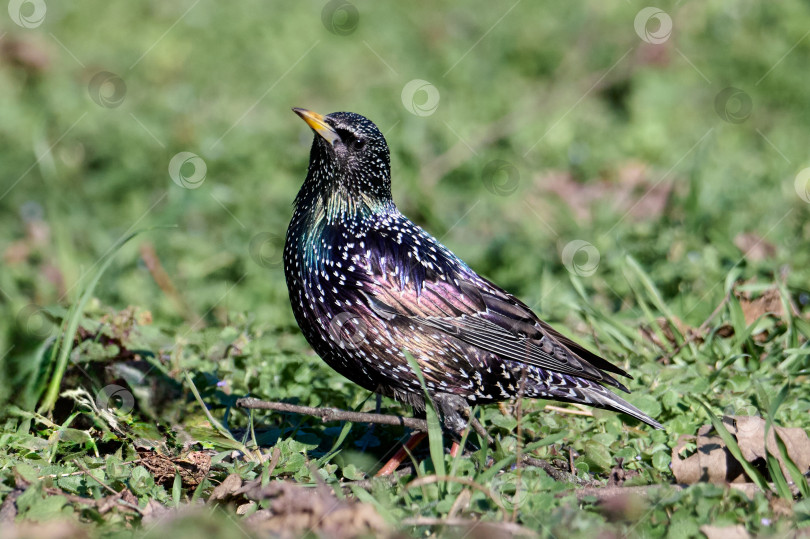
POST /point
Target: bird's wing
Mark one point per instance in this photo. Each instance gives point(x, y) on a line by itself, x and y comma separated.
point(473, 310)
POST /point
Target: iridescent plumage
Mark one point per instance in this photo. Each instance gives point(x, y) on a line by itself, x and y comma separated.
point(366, 284)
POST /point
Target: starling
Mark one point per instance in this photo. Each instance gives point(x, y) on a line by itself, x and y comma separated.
point(366, 284)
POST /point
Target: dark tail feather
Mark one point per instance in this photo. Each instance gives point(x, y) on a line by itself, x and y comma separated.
point(593, 394)
point(609, 401)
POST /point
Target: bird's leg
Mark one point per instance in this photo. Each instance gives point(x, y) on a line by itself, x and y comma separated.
point(370, 431)
point(450, 408)
point(394, 462)
point(453, 409)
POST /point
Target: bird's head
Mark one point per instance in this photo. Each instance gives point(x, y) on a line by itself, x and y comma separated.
point(349, 155)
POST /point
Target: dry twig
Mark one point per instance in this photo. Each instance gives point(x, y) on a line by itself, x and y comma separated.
point(334, 414)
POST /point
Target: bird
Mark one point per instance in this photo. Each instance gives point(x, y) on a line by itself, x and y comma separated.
point(368, 286)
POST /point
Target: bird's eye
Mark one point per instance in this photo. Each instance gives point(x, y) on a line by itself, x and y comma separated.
point(359, 143)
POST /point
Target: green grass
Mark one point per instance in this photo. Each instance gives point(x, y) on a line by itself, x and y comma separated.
point(575, 104)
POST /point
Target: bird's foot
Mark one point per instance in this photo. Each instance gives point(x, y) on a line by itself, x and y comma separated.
point(450, 408)
point(394, 462)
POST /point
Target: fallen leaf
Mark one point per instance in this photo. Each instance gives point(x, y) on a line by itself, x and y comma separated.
point(227, 489)
point(16, 253)
point(712, 461)
point(28, 54)
point(769, 303)
point(155, 511)
point(750, 434)
point(656, 54)
point(687, 332)
point(631, 192)
point(8, 509)
point(754, 247)
point(724, 532)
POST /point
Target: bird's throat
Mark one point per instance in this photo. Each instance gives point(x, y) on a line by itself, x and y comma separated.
point(338, 203)
point(322, 216)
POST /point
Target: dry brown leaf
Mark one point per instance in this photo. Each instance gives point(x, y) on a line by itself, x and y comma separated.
point(16, 253)
point(156, 511)
point(724, 532)
point(8, 509)
point(654, 53)
point(631, 192)
point(750, 434)
point(227, 489)
point(712, 461)
point(770, 302)
point(30, 54)
point(754, 247)
point(686, 331)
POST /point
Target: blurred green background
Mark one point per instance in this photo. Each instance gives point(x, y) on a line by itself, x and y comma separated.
point(549, 145)
point(584, 112)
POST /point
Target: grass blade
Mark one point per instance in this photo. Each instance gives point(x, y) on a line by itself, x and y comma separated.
point(493, 470)
point(435, 438)
point(795, 474)
point(216, 424)
point(734, 449)
point(344, 432)
point(654, 297)
point(177, 486)
point(774, 468)
point(74, 316)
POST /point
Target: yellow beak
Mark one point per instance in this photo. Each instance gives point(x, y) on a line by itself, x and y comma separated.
point(317, 123)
